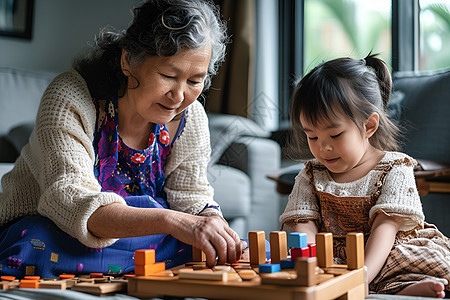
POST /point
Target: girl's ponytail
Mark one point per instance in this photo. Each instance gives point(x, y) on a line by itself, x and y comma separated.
point(383, 76)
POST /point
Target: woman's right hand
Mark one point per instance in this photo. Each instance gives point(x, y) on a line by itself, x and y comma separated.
point(211, 234)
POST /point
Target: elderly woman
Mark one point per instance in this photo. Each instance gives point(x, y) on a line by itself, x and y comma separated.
point(118, 158)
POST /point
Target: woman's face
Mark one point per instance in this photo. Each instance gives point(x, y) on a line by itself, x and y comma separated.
point(162, 87)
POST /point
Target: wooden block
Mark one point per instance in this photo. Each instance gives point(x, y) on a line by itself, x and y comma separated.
point(7, 278)
point(324, 249)
point(100, 288)
point(287, 264)
point(269, 268)
point(306, 270)
point(163, 274)
point(312, 249)
point(222, 268)
point(29, 284)
point(297, 240)
point(202, 275)
point(200, 267)
point(305, 274)
point(247, 274)
point(299, 252)
point(144, 256)
point(146, 270)
point(257, 247)
point(58, 284)
point(355, 250)
point(278, 246)
point(198, 255)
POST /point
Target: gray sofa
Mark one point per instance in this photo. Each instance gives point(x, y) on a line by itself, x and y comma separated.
point(420, 104)
point(242, 155)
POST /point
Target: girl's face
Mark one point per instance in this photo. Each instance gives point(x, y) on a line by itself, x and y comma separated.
point(337, 144)
point(162, 87)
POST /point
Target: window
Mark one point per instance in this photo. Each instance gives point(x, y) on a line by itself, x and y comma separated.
point(434, 20)
point(337, 28)
point(408, 35)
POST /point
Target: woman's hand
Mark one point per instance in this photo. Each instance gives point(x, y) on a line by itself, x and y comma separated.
point(211, 234)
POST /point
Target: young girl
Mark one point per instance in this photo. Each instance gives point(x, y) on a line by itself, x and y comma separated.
point(357, 183)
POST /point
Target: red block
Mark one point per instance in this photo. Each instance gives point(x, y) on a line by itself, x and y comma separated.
point(299, 252)
point(312, 250)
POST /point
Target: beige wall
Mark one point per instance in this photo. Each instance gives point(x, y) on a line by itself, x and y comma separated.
point(61, 29)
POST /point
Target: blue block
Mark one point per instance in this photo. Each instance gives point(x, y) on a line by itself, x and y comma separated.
point(269, 268)
point(287, 264)
point(297, 240)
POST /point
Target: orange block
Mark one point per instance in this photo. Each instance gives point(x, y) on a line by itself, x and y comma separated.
point(146, 270)
point(8, 278)
point(144, 256)
point(29, 284)
point(66, 276)
point(96, 275)
point(29, 277)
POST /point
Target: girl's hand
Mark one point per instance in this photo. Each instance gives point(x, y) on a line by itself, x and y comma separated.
point(211, 234)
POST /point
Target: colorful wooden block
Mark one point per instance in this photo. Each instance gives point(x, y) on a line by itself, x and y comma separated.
point(269, 268)
point(299, 252)
point(278, 246)
point(144, 256)
point(29, 284)
point(287, 264)
point(146, 270)
point(297, 240)
point(312, 249)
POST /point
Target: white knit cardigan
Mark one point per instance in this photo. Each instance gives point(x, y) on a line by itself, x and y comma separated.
point(54, 175)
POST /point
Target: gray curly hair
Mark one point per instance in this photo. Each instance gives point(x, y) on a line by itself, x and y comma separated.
point(158, 28)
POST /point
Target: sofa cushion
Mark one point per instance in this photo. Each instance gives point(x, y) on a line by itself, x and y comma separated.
point(20, 95)
point(424, 115)
point(226, 129)
point(19, 135)
point(231, 190)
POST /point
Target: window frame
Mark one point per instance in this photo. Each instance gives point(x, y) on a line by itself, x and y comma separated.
point(405, 45)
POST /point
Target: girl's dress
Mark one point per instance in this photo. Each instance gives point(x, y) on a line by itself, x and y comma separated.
point(34, 245)
point(420, 251)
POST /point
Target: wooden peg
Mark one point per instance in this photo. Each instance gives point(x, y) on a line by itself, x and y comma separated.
point(198, 255)
point(257, 247)
point(355, 250)
point(324, 249)
point(278, 246)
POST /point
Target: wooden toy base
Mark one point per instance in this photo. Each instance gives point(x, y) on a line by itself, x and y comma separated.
point(336, 282)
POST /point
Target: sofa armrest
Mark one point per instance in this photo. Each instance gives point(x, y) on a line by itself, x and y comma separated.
point(264, 157)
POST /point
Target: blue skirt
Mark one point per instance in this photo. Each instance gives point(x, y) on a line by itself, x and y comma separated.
point(34, 245)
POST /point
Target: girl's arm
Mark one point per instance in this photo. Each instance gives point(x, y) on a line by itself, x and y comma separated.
point(380, 242)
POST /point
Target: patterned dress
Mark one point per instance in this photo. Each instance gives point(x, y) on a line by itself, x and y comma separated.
point(34, 245)
point(420, 251)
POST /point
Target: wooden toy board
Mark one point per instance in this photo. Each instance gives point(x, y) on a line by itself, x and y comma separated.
point(335, 282)
point(84, 283)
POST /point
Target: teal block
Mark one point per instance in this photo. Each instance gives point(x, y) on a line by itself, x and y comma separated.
point(297, 240)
